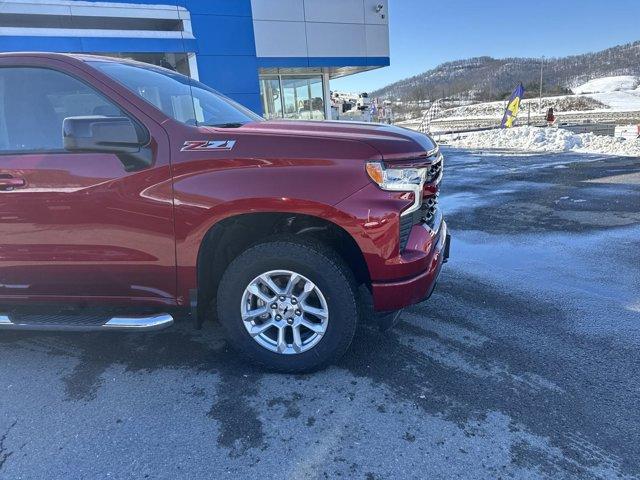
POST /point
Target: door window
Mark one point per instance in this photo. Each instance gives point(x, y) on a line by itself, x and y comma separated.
point(35, 101)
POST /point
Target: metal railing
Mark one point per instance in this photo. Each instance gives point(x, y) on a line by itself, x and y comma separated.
point(452, 125)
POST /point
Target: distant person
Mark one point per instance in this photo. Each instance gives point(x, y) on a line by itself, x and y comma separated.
point(551, 118)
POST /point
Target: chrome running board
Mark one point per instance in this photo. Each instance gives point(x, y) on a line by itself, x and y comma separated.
point(156, 322)
point(138, 324)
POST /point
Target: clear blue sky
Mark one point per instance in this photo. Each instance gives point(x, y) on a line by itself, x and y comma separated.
point(425, 33)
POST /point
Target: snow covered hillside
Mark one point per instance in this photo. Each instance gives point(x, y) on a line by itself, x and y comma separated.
point(609, 84)
point(483, 79)
point(610, 94)
point(619, 93)
point(535, 139)
point(626, 101)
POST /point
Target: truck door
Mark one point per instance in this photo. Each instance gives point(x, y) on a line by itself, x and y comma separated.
point(78, 225)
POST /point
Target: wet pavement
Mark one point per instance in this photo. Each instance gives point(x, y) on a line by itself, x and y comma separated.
point(525, 363)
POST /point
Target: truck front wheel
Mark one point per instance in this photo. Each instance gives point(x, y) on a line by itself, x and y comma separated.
point(289, 306)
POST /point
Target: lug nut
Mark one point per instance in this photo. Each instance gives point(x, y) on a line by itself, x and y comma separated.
point(278, 317)
point(274, 305)
point(298, 312)
point(290, 321)
point(282, 298)
point(293, 301)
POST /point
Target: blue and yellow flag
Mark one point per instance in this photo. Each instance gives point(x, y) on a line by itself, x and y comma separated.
point(513, 106)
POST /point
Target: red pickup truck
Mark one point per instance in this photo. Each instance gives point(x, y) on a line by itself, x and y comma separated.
point(129, 192)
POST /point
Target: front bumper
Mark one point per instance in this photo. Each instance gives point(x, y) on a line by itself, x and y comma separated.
point(388, 296)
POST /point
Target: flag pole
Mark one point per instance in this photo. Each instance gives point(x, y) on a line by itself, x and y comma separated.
point(540, 100)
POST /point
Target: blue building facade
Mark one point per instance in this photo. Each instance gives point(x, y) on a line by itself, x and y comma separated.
point(274, 56)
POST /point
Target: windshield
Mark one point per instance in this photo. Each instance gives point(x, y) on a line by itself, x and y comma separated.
point(182, 98)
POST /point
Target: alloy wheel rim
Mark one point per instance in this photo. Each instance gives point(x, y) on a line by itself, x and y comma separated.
point(284, 312)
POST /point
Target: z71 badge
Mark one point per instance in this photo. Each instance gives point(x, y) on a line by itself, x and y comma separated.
point(223, 145)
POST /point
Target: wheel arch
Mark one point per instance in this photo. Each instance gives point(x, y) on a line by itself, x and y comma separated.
point(229, 237)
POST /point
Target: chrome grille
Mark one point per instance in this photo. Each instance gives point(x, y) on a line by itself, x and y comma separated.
point(428, 211)
point(425, 214)
point(435, 171)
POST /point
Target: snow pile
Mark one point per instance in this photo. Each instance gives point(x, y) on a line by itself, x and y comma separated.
point(535, 139)
point(608, 85)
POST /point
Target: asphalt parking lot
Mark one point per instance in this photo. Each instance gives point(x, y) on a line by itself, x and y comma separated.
point(525, 363)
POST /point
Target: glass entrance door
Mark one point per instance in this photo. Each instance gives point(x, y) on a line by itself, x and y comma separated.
point(293, 97)
point(271, 97)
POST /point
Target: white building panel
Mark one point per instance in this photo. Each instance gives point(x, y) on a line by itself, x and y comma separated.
point(34, 8)
point(280, 39)
point(336, 40)
point(377, 40)
point(68, 9)
point(72, 7)
point(285, 10)
point(334, 11)
point(321, 28)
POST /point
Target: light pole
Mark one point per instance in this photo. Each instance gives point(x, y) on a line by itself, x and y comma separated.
point(540, 100)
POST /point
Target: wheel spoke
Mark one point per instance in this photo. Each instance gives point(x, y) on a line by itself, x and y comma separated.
point(282, 343)
point(297, 340)
point(321, 313)
point(255, 290)
point(314, 327)
point(258, 329)
point(268, 281)
point(293, 281)
point(251, 314)
point(308, 288)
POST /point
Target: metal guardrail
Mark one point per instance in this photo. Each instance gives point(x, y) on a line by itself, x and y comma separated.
point(616, 118)
point(603, 129)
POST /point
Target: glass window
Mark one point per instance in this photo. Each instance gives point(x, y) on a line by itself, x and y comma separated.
point(180, 97)
point(178, 62)
point(271, 97)
point(293, 97)
point(35, 101)
point(317, 94)
point(4, 133)
point(296, 98)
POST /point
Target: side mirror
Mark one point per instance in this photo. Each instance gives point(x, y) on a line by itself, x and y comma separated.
point(118, 135)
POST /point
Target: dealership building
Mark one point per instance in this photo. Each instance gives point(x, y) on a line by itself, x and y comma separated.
point(277, 57)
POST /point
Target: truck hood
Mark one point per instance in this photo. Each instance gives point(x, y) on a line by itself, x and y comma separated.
point(393, 143)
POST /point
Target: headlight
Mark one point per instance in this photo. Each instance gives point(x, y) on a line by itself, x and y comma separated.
point(396, 179)
point(399, 180)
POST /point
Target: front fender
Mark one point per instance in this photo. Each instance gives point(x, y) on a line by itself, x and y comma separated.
point(194, 229)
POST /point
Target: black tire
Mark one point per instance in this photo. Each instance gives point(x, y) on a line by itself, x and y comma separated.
point(320, 265)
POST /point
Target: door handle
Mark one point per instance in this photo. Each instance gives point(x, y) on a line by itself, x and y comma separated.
point(11, 183)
